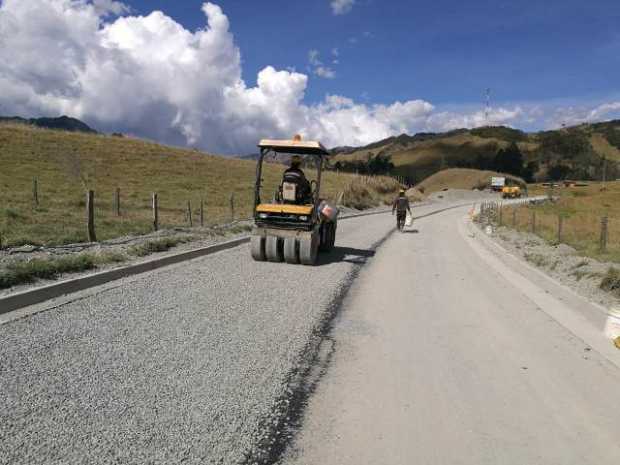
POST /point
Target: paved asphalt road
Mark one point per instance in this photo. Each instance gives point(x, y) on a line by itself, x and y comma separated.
point(440, 358)
point(431, 359)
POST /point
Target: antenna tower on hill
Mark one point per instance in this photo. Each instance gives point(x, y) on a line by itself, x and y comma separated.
point(487, 105)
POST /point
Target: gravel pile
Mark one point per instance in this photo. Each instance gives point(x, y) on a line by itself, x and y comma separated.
point(187, 364)
point(580, 273)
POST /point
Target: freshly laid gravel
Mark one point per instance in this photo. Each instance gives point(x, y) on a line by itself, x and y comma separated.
point(181, 365)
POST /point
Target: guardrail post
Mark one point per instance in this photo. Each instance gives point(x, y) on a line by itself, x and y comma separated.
point(90, 216)
point(603, 239)
point(560, 221)
point(189, 213)
point(501, 216)
point(533, 221)
point(155, 211)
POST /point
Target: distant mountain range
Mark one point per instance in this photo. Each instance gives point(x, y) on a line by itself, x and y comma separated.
point(64, 123)
point(586, 151)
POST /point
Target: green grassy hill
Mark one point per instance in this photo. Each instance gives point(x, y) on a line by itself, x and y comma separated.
point(67, 164)
point(575, 152)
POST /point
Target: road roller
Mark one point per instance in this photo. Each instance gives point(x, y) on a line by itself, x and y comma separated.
point(296, 223)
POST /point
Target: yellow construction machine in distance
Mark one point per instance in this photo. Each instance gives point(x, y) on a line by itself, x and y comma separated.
point(511, 192)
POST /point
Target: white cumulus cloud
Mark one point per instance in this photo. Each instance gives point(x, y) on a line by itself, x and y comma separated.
point(569, 115)
point(445, 121)
point(149, 76)
point(341, 7)
point(604, 110)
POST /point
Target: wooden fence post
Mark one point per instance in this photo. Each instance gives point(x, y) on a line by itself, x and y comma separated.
point(35, 192)
point(533, 221)
point(202, 213)
point(155, 212)
point(603, 239)
point(117, 201)
point(514, 217)
point(232, 207)
point(90, 216)
point(189, 213)
point(560, 224)
point(501, 216)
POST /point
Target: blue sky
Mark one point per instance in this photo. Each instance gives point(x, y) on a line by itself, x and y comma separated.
point(221, 74)
point(444, 51)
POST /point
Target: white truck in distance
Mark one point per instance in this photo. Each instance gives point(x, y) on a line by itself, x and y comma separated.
point(497, 183)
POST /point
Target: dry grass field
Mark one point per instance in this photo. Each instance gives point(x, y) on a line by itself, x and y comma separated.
point(67, 165)
point(580, 210)
point(459, 178)
point(603, 147)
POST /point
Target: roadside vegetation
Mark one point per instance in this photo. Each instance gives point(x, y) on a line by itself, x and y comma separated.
point(611, 281)
point(66, 165)
point(578, 211)
point(158, 245)
point(368, 192)
point(28, 271)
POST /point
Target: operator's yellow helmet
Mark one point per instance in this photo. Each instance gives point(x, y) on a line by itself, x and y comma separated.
point(402, 192)
point(295, 160)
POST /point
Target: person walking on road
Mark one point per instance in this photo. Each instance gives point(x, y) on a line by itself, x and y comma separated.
point(401, 207)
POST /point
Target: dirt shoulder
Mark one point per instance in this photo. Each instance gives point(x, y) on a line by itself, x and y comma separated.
point(582, 274)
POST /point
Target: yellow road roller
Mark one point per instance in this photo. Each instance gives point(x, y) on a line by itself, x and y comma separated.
point(296, 223)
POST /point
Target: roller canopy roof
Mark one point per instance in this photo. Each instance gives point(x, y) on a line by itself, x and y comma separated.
point(302, 147)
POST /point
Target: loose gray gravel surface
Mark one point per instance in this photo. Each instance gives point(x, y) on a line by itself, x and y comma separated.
point(184, 364)
point(562, 262)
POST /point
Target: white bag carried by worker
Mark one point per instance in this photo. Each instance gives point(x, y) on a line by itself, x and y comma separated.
point(409, 220)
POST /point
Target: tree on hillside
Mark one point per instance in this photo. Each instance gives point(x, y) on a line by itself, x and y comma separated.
point(559, 172)
point(530, 170)
point(612, 135)
point(380, 164)
point(374, 164)
point(558, 146)
point(509, 160)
